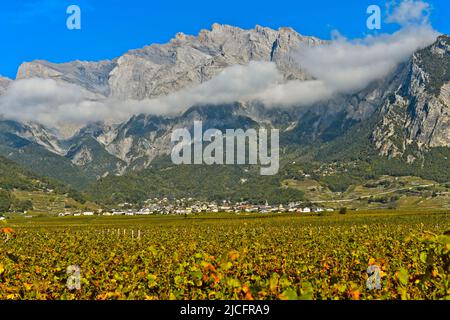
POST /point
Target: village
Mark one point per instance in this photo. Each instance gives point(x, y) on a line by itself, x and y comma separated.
point(189, 206)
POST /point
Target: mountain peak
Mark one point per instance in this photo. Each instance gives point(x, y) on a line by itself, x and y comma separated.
point(442, 45)
point(186, 60)
point(216, 27)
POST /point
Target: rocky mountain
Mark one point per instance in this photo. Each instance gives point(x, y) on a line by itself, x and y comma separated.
point(149, 72)
point(4, 84)
point(405, 114)
point(38, 150)
point(185, 61)
point(33, 133)
point(135, 143)
point(92, 76)
point(416, 116)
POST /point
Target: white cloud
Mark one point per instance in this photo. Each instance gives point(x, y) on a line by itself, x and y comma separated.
point(294, 93)
point(50, 102)
point(346, 66)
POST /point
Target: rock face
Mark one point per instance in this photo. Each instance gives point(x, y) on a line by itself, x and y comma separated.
point(138, 141)
point(416, 116)
point(185, 61)
point(156, 70)
point(411, 105)
point(92, 76)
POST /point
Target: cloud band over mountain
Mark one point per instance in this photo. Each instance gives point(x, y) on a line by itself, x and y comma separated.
point(340, 66)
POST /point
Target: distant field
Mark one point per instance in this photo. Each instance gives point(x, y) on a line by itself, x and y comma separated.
point(404, 193)
point(45, 204)
point(281, 256)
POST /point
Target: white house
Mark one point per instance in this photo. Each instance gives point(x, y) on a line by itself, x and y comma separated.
point(88, 213)
point(306, 210)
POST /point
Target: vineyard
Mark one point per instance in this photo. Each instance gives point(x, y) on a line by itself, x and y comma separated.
point(238, 257)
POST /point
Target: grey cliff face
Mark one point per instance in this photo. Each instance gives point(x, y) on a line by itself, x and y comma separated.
point(92, 76)
point(417, 114)
point(32, 132)
point(187, 60)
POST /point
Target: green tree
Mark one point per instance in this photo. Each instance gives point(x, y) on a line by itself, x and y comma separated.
point(5, 201)
point(23, 205)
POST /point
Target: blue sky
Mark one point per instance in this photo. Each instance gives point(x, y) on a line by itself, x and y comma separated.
point(36, 29)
